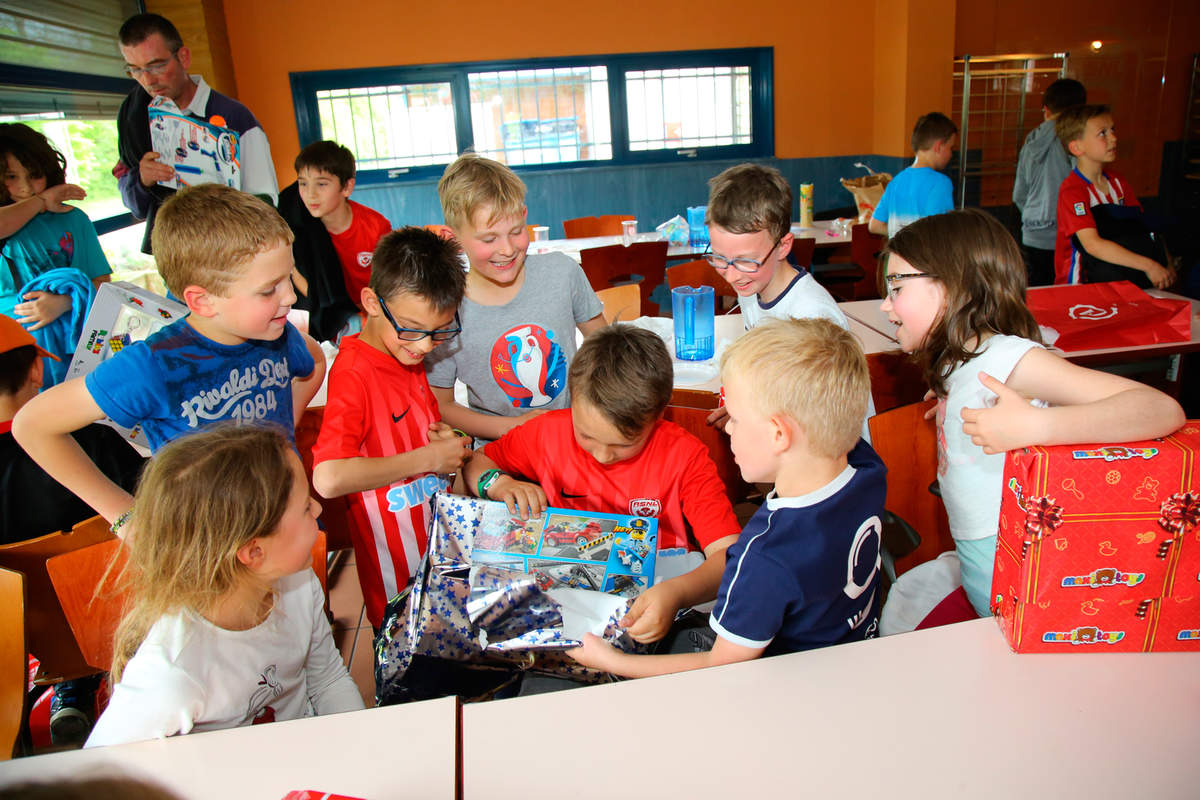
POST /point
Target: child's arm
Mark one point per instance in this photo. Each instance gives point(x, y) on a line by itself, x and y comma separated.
point(1087, 406)
point(592, 325)
point(599, 654)
point(476, 423)
point(43, 427)
point(330, 688)
point(522, 498)
point(651, 614)
point(305, 389)
point(16, 215)
point(1110, 251)
point(446, 452)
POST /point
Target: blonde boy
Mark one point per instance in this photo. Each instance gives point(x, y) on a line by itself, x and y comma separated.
point(227, 255)
point(520, 313)
point(921, 190)
point(804, 573)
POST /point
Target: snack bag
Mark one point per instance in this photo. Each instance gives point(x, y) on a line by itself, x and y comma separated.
point(867, 191)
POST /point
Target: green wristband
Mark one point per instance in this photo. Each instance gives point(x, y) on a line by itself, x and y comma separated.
point(486, 479)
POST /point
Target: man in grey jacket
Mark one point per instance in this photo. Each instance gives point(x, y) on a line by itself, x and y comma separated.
point(1042, 166)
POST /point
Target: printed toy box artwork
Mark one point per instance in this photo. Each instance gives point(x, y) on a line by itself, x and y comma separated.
point(200, 151)
point(1099, 547)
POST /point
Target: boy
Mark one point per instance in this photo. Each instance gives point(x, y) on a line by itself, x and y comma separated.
point(1041, 167)
point(805, 571)
point(519, 313)
point(1087, 133)
point(227, 255)
point(382, 441)
point(613, 452)
point(333, 260)
point(921, 190)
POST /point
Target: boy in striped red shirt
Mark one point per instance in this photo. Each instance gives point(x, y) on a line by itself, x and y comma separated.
point(382, 442)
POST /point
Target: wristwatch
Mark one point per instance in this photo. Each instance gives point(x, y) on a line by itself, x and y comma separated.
point(486, 479)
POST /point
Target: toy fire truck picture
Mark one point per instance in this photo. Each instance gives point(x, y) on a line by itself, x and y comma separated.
point(517, 536)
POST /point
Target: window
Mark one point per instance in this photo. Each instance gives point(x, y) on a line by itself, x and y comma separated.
point(408, 122)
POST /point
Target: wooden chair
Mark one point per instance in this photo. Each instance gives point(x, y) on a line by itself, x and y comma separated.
point(335, 512)
point(583, 227)
point(907, 444)
point(621, 303)
point(689, 409)
point(642, 262)
point(803, 251)
point(48, 635)
point(895, 380)
point(856, 280)
point(701, 273)
point(13, 660)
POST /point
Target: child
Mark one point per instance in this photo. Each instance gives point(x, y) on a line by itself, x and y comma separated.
point(226, 623)
point(921, 189)
point(1090, 193)
point(382, 441)
point(804, 573)
point(323, 275)
point(1041, 168)
point(228, 256)
point(519, 314)
point(613, 452)
point(46, 242)
point(956, 288)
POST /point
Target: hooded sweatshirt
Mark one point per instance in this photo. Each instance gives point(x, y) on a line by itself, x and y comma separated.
point(1041, 167)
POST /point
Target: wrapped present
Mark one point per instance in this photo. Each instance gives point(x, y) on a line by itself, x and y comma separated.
point(1099, 547)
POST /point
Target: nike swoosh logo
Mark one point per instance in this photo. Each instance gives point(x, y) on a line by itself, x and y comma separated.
point(402, 416)
point(570, 496)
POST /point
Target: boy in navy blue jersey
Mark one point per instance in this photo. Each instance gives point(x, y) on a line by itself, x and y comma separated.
point(804, 573)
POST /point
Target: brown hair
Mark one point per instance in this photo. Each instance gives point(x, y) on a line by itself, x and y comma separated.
point(141, 27)
point(205, 235)
point(15, 366)
point(980, 267)
point(1062, 94)
point(930, 129)
point(472, 182)
point(35, 153)
point(626, 374)
point(749, 198)
point(421, 263)
point(1071, 124)
point(327, 156)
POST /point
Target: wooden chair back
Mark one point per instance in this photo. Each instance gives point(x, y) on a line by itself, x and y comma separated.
point(583, 227)
point(864, 252)
point(907, 444)
point(615, 264)
point(13, 660)
point(700, 273)
point(335, 512)
point(895, 380)
point(803, 251)
point(689, 409)
point(48, 635)
point(621, 303)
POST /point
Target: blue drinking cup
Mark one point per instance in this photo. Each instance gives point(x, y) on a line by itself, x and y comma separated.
point(692, 308)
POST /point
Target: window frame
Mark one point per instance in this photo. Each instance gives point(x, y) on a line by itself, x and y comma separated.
point(305, 85)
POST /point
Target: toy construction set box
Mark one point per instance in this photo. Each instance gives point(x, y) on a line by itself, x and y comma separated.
point(201, 151)
point(1099, 547)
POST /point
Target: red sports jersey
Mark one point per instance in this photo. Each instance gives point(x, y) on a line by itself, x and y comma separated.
point(672, 478)
point(356, 245)
point(380, 407)
point(1076, 198)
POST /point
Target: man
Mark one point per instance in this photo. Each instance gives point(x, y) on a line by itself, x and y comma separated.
point(157, 59)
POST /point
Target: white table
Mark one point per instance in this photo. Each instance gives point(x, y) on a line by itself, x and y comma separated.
point(571, 247)
point(823, 232)
point(948, 712)
point(399, 751)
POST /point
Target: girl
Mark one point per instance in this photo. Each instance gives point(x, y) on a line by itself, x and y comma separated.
point(226, 622)
point(955, 286)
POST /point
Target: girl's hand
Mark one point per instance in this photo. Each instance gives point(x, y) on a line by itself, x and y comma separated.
point(41, 308)
point(55, 196)
point(1011, 423)
point(523, 499)
point(594, 652)
point(930, 412)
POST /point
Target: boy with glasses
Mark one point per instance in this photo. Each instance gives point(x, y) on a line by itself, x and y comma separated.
point(382, 442)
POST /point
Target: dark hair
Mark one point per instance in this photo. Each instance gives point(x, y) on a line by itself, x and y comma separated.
point(15, 365)
point(626, 374)
point(930, 129)
point(748, 198)
point(141, 27)
point(327, 156)
point(1062, 94)
point(35, 153)
point(979, 264)
point(419, 262)
point(1071, 124)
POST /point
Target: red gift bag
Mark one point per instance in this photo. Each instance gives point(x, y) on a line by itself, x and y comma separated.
point(1093, 316)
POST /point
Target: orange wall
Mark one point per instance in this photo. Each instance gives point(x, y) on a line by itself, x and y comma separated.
point(913, 69)
point(1142, 70)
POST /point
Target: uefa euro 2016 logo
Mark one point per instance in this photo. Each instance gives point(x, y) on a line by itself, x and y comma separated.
point(529, 366)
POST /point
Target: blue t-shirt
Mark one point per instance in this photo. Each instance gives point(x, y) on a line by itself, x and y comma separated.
point(49, 241)
point(916, 192)
point(804, 573)
point(178, 381)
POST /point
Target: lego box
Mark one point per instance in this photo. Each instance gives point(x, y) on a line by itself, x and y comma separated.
point(1099, 547)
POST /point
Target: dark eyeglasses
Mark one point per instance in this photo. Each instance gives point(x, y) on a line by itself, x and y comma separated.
point(895, 278)
point(417, 334)
point(740, 264)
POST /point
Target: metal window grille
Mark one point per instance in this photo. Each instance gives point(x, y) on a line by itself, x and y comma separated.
point(685, 108)
point(391, 127)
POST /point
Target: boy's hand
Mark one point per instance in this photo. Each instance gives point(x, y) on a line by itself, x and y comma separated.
point(594, 653)
point(41, 308)
point(1160, 276)
point(718, 418)
point(651, 615)
point(523, 499)
point(55, 196)
point(151, 170)
point(449, 450)
point(1011, 423)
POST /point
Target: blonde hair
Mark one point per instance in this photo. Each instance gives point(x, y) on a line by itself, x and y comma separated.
point(749, 198)
point(811, 370)
point(205, 235)
point(472, 182)
point(200, 499)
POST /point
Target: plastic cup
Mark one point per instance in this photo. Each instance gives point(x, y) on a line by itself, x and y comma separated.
point(541, 233)
point(697, 230)
point(692, 309)
point(628, 231)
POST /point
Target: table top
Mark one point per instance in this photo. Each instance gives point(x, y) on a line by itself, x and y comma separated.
point(946, 712)
point(378, 753)
point(571, 247)
point(822, 231)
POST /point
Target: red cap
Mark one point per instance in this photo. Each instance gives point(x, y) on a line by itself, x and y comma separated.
point(14, 335)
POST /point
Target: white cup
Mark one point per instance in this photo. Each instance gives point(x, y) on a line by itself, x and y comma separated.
point(628, 231)
point(541, 233)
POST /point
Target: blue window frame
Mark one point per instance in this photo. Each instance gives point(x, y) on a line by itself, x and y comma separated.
point(408, 122)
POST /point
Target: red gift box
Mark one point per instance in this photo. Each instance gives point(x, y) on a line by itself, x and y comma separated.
point(1099, 547)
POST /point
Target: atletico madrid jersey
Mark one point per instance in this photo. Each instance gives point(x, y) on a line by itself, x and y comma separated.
point(672, 478)
point(380, 407)
point(1077, 196)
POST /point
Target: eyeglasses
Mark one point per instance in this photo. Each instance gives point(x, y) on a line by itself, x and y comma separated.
point(417, 334)
point(153, 68)
point(740, 264)
point(895, 278)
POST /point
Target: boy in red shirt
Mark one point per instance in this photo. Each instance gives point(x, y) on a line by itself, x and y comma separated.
point(613, 452)
point(382, 441)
